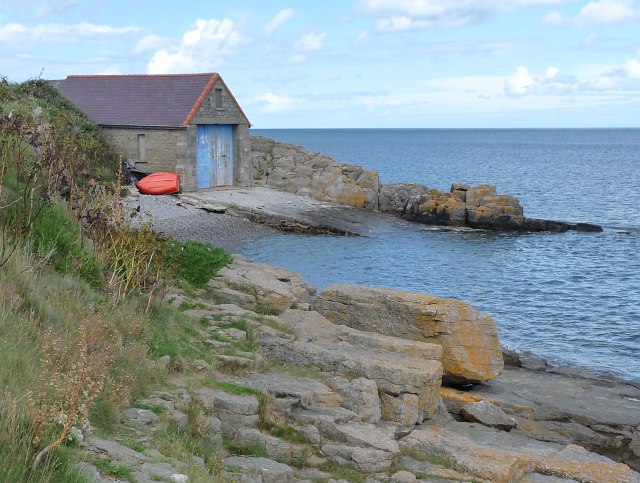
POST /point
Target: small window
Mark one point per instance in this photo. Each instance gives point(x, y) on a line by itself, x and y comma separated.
point(142, 148)
point(217, 98)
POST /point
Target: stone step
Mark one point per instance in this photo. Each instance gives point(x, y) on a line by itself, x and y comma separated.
point(394, 373)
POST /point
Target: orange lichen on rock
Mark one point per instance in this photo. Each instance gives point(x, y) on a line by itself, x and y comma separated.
point(469, 339)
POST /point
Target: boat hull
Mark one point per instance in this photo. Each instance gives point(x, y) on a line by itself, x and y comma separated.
point(159, 184)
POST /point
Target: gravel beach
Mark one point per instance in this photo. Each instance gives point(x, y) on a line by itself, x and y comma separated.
point(185, 222)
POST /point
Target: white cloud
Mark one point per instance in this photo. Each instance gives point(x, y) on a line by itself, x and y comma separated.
point(625, 77)
point(150, 42)
point(21, 35)
point(205, 46)
point(404, 15)
point(51, 8)
point(519, 83)
point(310, 42)
point(274, 103)
point(599, 12)
point(280, 19)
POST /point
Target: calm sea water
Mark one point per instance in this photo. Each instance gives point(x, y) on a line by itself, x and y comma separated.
point(573, 298)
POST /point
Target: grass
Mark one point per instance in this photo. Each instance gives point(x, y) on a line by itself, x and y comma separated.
point(159, 410)
point(266, 310)
point(16, 452)
point(340, 472)
point(232, 388)
point(195, 262)
point(418, 455)
point(286, 433)
point(178, 444)
point(55, 237)
point(304, 372)
point(255, 449)
point(117, 471)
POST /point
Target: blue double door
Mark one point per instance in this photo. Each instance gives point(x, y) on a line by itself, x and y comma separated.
point(215, 155)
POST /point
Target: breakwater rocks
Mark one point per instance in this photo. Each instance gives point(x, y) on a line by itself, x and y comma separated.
point(285, 384)
point(293, 169)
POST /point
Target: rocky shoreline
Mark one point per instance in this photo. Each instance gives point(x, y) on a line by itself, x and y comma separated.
point(291, 168)
point(352, 378)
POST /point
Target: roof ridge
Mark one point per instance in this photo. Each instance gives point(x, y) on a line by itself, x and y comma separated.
point(201, 98)
point(142, 75)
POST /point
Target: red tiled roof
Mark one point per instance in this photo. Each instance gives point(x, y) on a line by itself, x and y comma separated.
point(169, 100)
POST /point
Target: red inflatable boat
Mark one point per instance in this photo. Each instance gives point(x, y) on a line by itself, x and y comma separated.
point(159, 184)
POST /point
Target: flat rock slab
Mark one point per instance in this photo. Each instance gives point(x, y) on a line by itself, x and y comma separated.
point(309, 325)
point(308, 391)
point(554, 396)
point(271, 471)
point(251, 284)
point(504, 457)
point(291, 212)
point(219, 400)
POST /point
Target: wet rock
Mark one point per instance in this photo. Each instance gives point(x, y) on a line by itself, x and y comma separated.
point(484, 412)
point(469, 339)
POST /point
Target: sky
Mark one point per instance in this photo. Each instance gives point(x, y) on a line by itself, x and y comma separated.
point(355, 63)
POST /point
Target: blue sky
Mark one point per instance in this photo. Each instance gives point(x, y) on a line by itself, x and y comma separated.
point(356, 63)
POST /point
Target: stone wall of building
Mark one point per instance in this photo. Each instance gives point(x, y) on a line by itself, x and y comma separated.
point(218, 107)
point(151, 149)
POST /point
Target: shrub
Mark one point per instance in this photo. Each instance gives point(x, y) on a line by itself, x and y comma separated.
point(56, 237)
point(196, 262)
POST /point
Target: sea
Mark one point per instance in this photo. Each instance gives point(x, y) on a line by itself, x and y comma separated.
point(572, 298)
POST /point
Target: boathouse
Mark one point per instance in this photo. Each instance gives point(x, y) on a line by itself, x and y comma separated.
point(190, 124)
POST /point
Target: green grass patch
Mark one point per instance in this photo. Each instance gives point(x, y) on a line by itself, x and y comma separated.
point(304, 372)
point(256, 449)
point(56, 237)
point(172, 333)
point(266, 310)
point(339, 472)
point(240, 324)
point(195, 262)
point(418, 455)
point(134, 445)
point(159, 410)
point(232, 388)
point(287, 433)
point(117, 471)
